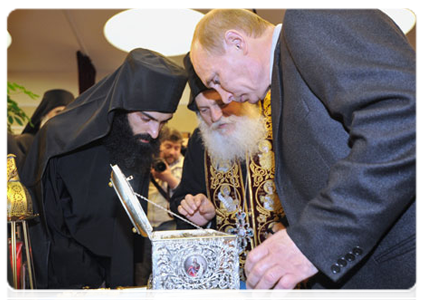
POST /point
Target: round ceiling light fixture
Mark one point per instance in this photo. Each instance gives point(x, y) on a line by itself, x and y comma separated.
point(404, 18)
point(8, 39)
point(167, 31)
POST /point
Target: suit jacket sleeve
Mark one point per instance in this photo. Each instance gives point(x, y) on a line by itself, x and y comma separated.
point(362, 69)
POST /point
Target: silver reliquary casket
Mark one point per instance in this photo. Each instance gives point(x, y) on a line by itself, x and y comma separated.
point(182, 259)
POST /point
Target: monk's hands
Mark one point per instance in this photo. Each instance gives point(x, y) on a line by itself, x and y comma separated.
point(277, 263)
point(198, 209)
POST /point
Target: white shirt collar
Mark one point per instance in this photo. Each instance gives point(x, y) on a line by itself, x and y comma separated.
point(275, 37)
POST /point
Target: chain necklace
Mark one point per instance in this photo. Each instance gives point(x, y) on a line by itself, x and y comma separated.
point(168, 211)
point(243, 231)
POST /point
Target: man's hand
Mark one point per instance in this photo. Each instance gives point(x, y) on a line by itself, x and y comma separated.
point(198, 209)
point(277, 263)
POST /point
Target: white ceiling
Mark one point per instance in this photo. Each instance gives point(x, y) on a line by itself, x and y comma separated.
point(45, 41)
point(42, 55)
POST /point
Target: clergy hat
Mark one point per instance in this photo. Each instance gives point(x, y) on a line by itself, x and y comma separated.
point(194, 82)
point(150, 81)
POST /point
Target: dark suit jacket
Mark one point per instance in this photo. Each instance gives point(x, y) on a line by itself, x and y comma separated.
point(343, 108)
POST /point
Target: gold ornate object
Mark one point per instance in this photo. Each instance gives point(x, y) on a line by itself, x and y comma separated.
point(19, 210)
point(19, 202)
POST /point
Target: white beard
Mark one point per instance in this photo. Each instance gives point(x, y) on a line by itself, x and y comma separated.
point(245, 138)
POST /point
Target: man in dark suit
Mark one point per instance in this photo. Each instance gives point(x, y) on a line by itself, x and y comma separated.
point(342, 86)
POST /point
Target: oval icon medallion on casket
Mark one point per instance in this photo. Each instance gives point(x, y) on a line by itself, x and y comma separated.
point(195, 265)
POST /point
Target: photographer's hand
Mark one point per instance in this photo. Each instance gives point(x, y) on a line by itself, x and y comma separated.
point(166, 176)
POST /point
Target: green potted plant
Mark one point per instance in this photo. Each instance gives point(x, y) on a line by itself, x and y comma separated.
point(14, 112)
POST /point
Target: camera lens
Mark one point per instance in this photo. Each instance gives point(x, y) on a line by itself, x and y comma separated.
point(159, 165)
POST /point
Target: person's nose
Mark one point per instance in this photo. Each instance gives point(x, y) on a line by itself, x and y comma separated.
point(226, 96)
point(154, 130)
point(216, 113)
point(172, 152)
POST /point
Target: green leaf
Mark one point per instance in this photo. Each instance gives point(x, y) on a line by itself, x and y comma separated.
point(14, 112)
point(18, 120)
point(13, 104)
point(10, 86)
point(31, 95)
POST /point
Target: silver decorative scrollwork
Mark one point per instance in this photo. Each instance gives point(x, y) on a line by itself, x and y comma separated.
point(195, 263)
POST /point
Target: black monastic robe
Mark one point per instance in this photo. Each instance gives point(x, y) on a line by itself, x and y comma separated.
point(91, 237)
point(82, 236)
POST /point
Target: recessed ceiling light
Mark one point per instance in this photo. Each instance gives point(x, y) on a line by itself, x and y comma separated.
point(167, 31)
point(8, 40)
point(404, 18)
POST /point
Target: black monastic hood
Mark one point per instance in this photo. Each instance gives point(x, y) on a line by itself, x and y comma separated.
point(51, 100)
point(146, 81)
point(194, 82)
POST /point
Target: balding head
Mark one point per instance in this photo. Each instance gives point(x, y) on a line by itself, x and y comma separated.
point(210, 31)
point(231, 52)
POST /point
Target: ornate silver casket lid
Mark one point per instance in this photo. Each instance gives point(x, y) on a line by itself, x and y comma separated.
point(130, 201)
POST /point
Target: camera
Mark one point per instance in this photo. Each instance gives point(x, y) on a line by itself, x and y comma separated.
point(159, 165)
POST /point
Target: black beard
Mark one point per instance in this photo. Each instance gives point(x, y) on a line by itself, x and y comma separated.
point(126, 149)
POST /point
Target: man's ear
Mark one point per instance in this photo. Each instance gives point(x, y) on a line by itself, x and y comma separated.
point(235, 39)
